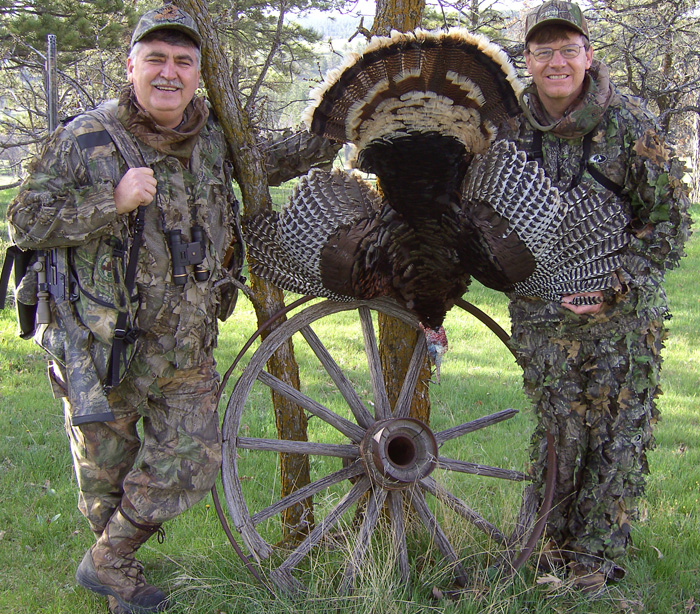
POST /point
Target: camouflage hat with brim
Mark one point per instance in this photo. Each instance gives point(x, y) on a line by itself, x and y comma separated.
point(167, 17)
point(556, 12)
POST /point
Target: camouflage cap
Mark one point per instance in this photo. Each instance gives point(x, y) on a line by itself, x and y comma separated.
point(556, 12)
point(167, 17)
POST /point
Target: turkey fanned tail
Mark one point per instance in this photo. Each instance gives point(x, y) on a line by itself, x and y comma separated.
point(575, 237)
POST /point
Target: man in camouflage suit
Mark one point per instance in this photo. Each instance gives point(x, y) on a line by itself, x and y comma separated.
point(81, 195)
point(593, 369)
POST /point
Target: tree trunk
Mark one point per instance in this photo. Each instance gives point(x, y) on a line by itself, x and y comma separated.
point(401, 15)
point(695, 162)
point(249, 168)
point(396, 339)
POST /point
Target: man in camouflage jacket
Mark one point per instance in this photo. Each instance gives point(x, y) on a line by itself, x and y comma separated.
point(81, 195)
point(593, 370)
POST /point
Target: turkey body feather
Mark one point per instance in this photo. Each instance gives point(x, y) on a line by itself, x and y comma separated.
point(451, 205)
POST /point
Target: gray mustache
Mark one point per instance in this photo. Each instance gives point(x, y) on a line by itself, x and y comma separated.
point(166, 83)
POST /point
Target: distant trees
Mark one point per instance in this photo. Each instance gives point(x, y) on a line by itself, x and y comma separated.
point(651, 47)
point(480, 16)
point(266, 51)
point(91, 36)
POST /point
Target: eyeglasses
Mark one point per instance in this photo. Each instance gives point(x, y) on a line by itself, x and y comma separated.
point(568, 52)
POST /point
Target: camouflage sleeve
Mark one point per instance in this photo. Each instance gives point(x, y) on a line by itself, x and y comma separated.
point(58, 205)
point(293, 154)
point(658, 195)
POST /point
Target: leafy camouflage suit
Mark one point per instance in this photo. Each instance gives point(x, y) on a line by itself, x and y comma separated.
point(171, 382)
point(594, 378)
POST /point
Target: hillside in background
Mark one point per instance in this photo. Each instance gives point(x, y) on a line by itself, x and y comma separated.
point(336, 26)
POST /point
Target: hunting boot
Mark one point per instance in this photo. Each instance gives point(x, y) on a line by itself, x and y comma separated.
point(109, 567)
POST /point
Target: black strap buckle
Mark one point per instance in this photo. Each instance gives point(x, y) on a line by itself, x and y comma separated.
point(127, 336)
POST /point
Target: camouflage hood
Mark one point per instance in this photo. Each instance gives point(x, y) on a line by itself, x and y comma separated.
point(583, 115)
point(178, 142)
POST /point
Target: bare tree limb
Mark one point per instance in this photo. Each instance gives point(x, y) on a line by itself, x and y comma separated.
point(268, 60)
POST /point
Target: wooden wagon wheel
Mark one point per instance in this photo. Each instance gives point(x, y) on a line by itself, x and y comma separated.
point(385, 459)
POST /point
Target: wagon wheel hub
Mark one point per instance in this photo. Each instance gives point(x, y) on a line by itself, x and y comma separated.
point(398, 452)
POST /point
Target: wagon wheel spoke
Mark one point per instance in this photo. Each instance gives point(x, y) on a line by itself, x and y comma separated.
point(289, 446)
point(388, 455)
point(307, 491)
point(474, 425)
point(398, 533)
point(381, 399)
point(435, 530)
point(362, 415)
point(461, 508)
point(374, 507)
point(403, 403)
point(349, 429)
point(452, 464)
point(325, 525)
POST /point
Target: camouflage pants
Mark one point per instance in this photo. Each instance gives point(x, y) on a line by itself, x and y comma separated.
point(171, 468)
point(595, 393)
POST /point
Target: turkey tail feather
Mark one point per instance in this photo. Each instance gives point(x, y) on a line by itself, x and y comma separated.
point(290, 248)
point(454, 83)
point(269, 259)
point(576, 237)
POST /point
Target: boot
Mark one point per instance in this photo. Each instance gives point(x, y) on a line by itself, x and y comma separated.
point(109, 567)
point(114, 607)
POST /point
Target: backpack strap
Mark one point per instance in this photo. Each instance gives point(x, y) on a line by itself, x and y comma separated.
point(119, 135)
point(603, 180)
point(586, 164)
point(123, 336)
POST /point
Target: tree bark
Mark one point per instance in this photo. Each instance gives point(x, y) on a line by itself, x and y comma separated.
point(695, 168)
point(249, 169)
point(397, 339)
point(401, 15)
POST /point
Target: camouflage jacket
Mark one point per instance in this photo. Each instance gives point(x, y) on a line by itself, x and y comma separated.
point(628, 152)
point(68, 201)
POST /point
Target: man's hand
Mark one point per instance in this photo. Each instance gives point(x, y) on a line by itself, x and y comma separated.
point(136, 188)
point(583, 309)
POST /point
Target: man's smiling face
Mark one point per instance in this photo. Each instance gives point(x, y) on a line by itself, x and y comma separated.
point(165, 78)
point(559, 81)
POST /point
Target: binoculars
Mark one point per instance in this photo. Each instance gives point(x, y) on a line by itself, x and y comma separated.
point(187, 254)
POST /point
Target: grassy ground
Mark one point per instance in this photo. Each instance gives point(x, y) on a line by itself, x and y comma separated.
point(43, 537)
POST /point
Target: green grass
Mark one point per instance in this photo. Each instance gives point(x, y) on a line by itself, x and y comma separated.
point(43, 537)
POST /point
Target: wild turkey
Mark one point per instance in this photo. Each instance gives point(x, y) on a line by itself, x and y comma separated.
point(422, 111)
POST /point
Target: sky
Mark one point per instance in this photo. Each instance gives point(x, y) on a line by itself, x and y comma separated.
point(367, 7)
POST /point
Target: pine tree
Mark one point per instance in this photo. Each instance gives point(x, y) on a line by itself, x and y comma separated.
point(78, 24)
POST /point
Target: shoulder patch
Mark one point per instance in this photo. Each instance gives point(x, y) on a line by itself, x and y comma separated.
point(88, 140)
